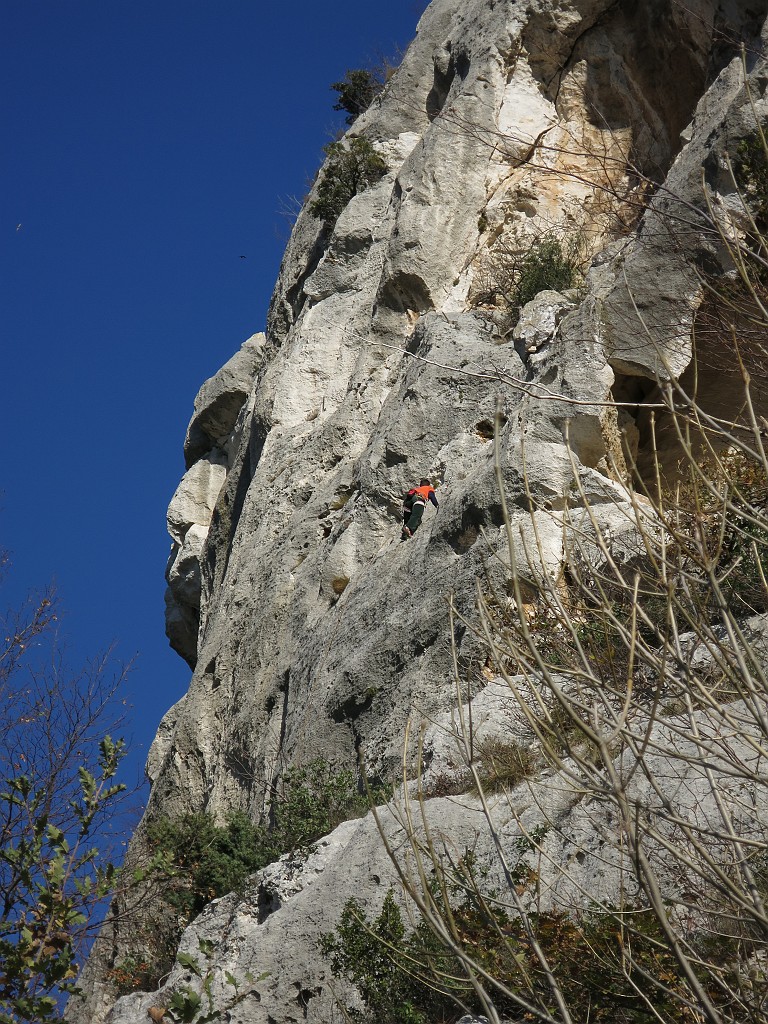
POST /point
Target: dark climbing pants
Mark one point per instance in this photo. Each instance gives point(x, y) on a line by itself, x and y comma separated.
point(413, 521)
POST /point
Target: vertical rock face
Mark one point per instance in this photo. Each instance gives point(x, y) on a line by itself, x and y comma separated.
point(318, 631)
point(313, 631)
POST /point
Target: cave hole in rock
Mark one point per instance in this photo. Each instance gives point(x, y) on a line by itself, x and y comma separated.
point(354, 706)
point(635, 423)
point(393, 458)
point(728, 327)
point(209, 675)
point(404, 292)
point(441, 86)
point(473, 520)
point(457, 64)
point(486, 429)
point(421, 647)
point(305, 994)
point(266, 905)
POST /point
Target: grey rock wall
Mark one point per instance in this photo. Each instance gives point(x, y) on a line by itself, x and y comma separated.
point(312, 630)
point(267, 938)
point(319, 631)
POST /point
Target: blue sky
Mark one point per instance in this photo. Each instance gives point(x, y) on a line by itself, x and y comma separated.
point(146, 147)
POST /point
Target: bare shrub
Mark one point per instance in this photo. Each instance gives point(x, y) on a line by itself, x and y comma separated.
point(643, 676)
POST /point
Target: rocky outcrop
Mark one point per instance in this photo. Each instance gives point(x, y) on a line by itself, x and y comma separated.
point(313, 631)
point(266, 940)
point(210, 443)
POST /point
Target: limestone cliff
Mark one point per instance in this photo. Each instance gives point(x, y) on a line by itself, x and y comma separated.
point(312, 631)
point(504, 118)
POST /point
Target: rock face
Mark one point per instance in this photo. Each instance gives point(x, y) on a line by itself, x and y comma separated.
point(312, 630)
point(267, 939)
point(318, 631)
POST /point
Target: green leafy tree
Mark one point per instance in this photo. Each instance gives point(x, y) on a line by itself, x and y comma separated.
point(57, 788)
point(388, 967)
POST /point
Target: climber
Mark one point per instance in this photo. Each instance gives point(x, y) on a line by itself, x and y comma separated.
point(414, 503)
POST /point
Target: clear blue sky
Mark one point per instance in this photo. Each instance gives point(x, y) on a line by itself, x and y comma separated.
point(146, 146)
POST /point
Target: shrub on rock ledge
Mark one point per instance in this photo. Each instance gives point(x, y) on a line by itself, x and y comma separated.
point(357, 91)
point(350, 169)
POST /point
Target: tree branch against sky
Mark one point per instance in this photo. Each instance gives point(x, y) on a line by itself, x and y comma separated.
point(58, 794)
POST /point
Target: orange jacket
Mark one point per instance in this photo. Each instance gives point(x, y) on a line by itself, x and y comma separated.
point(426, 493)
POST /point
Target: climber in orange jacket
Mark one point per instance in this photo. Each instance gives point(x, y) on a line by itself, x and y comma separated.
point(414, 503)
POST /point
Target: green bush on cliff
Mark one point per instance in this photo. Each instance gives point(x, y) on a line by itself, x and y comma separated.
point(385, 965)
point(310, 803)
point(350, 169)
point(357, 91)
point(516, 269)
point(544, 267)
point(411, 977)
point(210, 860)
